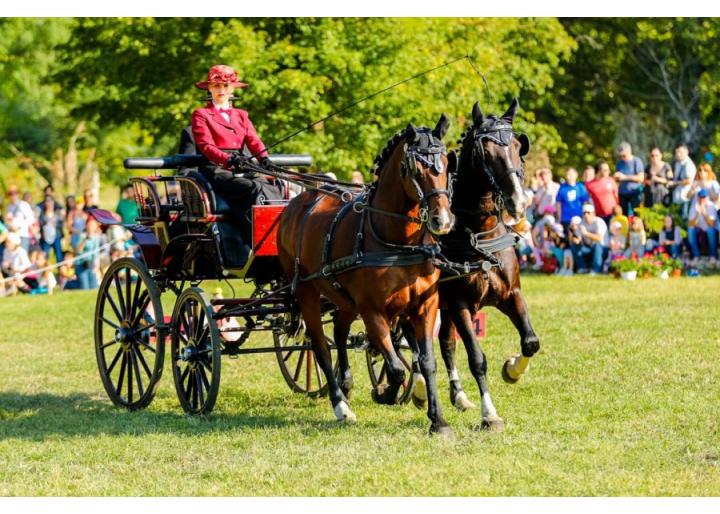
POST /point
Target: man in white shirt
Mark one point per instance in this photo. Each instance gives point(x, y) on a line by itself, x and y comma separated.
point(594, 241)
point(703, 218)
point(20, 217)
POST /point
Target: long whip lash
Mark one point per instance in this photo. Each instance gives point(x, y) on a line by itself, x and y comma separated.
point(372, 95)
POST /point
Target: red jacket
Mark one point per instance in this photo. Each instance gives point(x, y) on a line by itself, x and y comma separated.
point(213, 134)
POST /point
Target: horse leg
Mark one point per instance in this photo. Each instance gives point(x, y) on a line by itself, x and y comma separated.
point(514, 307)
point(448, 344)
point(309, 301)
point(378, 331)
point(428, 367)
point(478, 367)
point(341, 329)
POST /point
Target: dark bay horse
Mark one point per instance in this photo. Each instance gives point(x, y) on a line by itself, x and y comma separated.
point(488, 182)
point(372, 256)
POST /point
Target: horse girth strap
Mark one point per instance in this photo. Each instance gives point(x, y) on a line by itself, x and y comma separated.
point(374, 260)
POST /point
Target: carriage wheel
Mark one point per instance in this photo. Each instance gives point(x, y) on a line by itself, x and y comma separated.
point(129, 334)
point(195, 351)
point(377, 368)
point(299, 367)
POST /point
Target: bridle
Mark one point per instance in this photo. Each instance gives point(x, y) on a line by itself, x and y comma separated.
point(427, 150)
point(501, 133)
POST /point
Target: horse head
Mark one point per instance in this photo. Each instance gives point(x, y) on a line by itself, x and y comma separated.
point(424, 174)
point(494, 153)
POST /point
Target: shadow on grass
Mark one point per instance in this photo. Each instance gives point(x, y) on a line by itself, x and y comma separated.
point(41, 416)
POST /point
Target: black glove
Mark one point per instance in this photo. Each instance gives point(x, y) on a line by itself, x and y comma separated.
point(237, 162)
point(265, 162)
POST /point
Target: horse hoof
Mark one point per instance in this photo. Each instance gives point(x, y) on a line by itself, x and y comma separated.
point(506, 377)
point(443, 431)
point(380, 395)
point(419, 392)
point(344, 414)
point(493, 424)
point(462, 403)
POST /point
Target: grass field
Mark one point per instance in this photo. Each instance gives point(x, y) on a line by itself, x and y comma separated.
point(621, 400)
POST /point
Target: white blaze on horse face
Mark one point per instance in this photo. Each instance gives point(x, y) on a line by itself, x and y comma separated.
point(518, 194)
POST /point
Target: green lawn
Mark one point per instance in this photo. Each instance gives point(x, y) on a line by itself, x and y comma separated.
point(621, 400)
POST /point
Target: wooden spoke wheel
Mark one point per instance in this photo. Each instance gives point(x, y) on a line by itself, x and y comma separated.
point(195, 349)
point(297, 361)
point(129, 334)
point(377, 368)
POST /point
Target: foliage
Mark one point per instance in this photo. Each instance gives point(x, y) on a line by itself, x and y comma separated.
point(654, 218)
point(623, 264)
point(303, 69)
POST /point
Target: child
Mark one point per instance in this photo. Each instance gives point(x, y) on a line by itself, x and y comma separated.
point(562, 251)
point(636, 239)
point(46, 281)
point(66, 274)
point(622, 219)
point(541, 228)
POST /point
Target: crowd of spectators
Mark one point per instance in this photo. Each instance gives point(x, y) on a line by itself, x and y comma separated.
point(582, 226)
point(48, 246)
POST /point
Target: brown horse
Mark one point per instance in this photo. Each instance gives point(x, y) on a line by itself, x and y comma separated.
point(488, 182)
point(371, 255)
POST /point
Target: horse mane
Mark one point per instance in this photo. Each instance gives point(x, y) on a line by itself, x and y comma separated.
point(387, 151)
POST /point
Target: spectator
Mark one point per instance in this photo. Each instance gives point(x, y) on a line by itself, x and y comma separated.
point(51, 228)
point(90, 200)
point(77, 220)
point(588, 174)
point(538, 235)
point(524, 246)
point(357, 178)
point(20, 217)
point(49, 191)
point(561, 250)
point(684, 172)
point(43, 279)
point(602, 190)
point(67, 279)
point(622, 219)
point(15, 262)
point(3, 234)
point(126, 207)
point(630, 173)
point(87, 263)
point(657, 176)
point(593, 246)
point(702, 220)
point(570, 198)
point(546, 193)
point(617, 241)
point(670, 238)
point(705, 179)
point(637, 239)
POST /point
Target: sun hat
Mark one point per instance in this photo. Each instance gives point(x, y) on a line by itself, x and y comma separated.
point(549, 210)
point(222, 74)
point(14, 238)
point(575, 220)
point(588, 207)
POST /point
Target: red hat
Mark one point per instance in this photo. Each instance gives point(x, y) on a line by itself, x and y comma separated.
point(223, 74)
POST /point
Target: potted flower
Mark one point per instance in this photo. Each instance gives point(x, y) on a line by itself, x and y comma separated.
point(628, 268)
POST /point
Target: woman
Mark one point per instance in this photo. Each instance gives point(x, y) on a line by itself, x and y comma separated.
point(220, 132)
point(657, 176)
point(670, 238)
point(603, 191)
point(705, 179)
point(52, 223)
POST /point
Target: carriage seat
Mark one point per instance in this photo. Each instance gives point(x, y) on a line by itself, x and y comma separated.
point(218, 203)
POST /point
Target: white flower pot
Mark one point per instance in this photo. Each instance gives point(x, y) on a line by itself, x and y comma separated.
point(628, 275)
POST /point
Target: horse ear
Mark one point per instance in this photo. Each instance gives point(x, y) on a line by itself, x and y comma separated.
point(524, 144)
point(509, 116)
point(410, 133)
point(477, 115)
point(442, 126)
